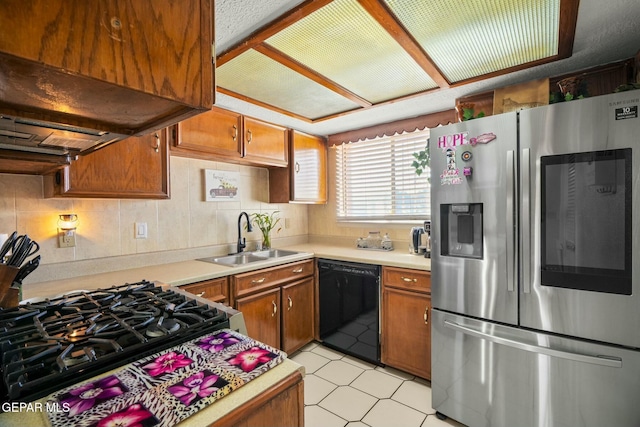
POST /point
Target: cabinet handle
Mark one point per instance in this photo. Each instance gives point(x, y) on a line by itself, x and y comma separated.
point(426, 315)
point(157, 147)
point(235, 132)
point(297, 167)
point(201, 294)
point(290, 303)
point(409, 279)
point(259, 280)
point(249, 137)
point(299, 270)
point(275, 308)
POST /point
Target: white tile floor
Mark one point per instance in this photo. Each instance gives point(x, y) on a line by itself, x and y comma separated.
point(341, 391)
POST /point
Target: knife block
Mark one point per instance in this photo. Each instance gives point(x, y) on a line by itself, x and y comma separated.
point(9, 295)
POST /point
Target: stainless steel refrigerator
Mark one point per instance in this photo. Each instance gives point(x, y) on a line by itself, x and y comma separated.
point(536, 266)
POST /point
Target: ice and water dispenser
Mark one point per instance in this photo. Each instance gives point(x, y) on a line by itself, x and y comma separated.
point(461, 230)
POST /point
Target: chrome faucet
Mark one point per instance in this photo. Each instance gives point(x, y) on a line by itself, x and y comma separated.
point(242, 242)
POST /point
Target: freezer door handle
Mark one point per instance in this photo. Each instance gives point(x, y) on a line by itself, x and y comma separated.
point(613, 362)
point(510, 230)
point(526, 221)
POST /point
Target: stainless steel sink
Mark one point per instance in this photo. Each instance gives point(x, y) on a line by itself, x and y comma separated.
point(234, 260)
point(274, 253)
point(249, 257)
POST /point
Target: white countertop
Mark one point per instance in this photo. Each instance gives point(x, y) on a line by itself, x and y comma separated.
point(185, 272)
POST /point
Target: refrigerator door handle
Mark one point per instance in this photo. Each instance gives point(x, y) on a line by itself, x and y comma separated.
point(526, 221)
point(510, 230)
point(613, 362)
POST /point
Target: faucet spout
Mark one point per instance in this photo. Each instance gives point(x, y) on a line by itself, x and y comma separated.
point(242, 242)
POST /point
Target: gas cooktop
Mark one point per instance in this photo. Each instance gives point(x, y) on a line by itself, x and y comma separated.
point(48, 345)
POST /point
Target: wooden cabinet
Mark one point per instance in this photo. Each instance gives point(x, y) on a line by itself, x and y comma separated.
point(265, 143)
point(297, 314)
point(216, 290)
point(280, 405)
point(227, 136)
point(304, 180)
point(215, 133)
point(406, 311)
point(125, 67)
point(137, 167)
point(277, 304)
point(261, 313)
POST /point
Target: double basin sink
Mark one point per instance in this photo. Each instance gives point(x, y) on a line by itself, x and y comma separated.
point(250, 257)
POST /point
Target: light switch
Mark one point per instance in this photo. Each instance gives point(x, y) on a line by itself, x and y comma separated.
point(141, 230)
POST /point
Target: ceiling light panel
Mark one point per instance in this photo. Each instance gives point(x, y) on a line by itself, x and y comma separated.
point(342, 42)
point(259, 77)
point(471, 38)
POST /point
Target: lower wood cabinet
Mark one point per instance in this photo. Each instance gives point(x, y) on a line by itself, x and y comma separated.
point(277, 304)
point(261, 313)
point(406, 329)
point(216, 290)
point(281, 405)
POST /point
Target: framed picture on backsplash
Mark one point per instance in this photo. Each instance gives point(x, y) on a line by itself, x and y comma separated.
point(221, 186)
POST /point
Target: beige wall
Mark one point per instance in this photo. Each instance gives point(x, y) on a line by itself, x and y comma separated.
point(181, 228)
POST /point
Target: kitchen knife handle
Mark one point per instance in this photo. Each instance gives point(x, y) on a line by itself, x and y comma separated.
point(511, 259)
point(526, 221)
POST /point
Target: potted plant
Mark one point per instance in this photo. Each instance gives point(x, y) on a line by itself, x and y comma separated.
point(266, 222)
point(422, 160)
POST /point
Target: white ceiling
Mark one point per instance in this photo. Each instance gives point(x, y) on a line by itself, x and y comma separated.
point(605, 32)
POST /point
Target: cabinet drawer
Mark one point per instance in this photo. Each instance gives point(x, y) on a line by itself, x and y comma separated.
point(215, 290)
point(254, 281)
point(404, 278)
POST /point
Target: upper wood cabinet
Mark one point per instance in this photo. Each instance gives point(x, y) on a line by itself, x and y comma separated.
point(227, 136)
point(134, 168)
point(215, 133)
point(305, 178)
point(265, 143)
point(128, 67)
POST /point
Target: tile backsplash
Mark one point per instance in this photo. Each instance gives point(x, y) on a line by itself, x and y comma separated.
point(183, 227)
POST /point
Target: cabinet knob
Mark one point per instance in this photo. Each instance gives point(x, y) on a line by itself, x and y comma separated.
point(258, 280)
point(290, 303)
point(409, 279)
point(297, 167)
point(298, 270)
point(426, 315)
point(201, 294)
point(275, 308)
point(249, 137)
point(235, 132)
point(157, 147)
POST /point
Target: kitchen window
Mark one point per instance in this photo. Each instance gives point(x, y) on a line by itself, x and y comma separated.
point(375, 180)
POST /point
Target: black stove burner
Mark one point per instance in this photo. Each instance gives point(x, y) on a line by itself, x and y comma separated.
point(49, 345)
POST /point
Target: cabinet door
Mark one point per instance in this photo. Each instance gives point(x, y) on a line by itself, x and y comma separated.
point(121, 66)
point(305, 178)
point(135, 168)
point(262, 316)
point(265, 143)
point(217, 132)
point(297, 314)
point(406, 332)
point(216, 290)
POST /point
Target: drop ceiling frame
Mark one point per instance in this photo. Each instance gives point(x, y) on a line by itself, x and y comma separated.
point(381, 13)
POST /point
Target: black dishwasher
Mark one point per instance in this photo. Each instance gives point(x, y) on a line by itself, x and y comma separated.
point(349, 308)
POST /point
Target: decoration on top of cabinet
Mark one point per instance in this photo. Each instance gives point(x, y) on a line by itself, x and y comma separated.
point(221, 186)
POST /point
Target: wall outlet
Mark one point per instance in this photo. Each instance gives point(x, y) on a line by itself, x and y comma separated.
point(67, 240)
point(140, 230)
point(287, 223)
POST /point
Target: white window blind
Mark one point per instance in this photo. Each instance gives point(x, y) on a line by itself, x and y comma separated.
point(375, 179)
